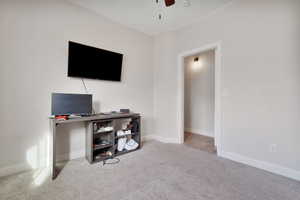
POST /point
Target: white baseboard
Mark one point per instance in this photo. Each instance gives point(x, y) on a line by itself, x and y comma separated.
point(72, 155)
point(22, 167)
point(270, 167)
point(161, 139)
point(14, 169)
point(198, 131)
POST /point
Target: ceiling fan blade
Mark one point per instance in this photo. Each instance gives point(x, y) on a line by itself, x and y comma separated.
point(169, 2)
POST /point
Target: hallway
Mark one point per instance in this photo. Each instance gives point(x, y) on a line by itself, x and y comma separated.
point(201, 142)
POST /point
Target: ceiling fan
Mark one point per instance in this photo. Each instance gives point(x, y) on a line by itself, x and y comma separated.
point(168, 2)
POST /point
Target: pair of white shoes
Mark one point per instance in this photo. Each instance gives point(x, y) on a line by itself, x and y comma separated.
point(122, 133)
point(130, 145)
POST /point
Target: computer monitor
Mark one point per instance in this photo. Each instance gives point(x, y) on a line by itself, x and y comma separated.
point(68, 104)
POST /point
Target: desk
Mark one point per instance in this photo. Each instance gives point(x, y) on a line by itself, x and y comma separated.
point(54, 123)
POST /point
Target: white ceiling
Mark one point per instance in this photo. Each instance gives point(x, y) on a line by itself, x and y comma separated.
point(142, 15)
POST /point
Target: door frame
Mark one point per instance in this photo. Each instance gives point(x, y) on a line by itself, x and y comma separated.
point(217, 111)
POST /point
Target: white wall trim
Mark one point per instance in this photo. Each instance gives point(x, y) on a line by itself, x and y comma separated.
point(72, 155)
point(198, 132)
point(270, 167)
point(14, 169)
point(22, 167)
point(180, 91)
point(161, 139)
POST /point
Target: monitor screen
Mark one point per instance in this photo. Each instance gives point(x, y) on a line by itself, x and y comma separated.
point(94, 63)
point(67, 104)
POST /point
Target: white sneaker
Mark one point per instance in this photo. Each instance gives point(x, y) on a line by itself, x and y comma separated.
point(120, 133)
point(131, 145)
point(104, 129)
point(109, 128)
point(121, 143)
point(128, 132)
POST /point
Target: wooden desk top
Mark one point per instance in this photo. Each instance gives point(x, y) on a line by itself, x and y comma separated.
point(95, 117)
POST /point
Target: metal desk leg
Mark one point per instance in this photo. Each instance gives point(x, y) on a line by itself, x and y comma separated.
point(53, 150)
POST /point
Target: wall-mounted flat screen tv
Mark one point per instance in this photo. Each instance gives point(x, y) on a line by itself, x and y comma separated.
point(94, 63)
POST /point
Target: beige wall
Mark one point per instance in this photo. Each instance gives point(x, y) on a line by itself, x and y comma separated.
point(199, 93)
point(260, 79)
point(33, 63)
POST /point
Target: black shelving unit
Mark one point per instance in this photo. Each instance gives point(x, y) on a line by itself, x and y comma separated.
point(102, 145)
point(98, 147)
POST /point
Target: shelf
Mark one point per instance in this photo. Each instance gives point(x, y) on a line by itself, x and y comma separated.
point(96, 135)
point(103, 121)
point(101, 159)
point(95, 132)
point(97, 147)
point(100, 143)
point(118, 153)
point(121, 136)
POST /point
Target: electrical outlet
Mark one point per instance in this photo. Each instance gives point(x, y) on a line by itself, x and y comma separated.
point(273, 148)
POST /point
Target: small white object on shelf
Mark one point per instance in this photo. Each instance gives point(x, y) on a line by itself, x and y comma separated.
point(131, 145)
point(121, 143)
point(73, 116)
point(105, 129)
point(123, 133)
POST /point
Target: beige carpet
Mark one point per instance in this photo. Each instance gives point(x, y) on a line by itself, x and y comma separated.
point(200, 142)
point(157, 172)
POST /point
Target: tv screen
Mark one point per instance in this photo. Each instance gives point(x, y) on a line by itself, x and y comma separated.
point(67, 104)
point(94, 63)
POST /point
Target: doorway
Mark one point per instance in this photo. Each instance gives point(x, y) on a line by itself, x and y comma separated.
point(216, 116)
point(199, 101)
